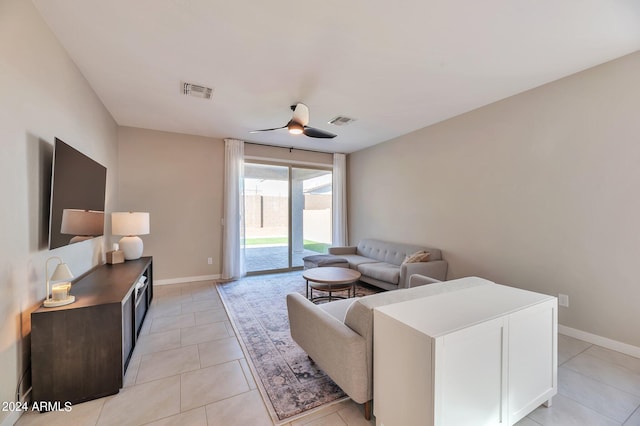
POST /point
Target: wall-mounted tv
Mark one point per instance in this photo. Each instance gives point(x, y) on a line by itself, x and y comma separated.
point(78, 186)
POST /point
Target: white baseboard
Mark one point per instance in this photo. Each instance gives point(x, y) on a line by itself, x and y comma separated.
point(186, 279)
point(12, 418)
point(614, 345)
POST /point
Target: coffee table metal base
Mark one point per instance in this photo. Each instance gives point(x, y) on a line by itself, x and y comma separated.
point(330, 279)
point(330, 288)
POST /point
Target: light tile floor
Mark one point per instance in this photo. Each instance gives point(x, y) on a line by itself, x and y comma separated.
point(189, 369)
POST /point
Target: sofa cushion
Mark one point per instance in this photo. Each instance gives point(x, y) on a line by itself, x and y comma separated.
point(338, 309)
point(381, 271)
point(355, 260)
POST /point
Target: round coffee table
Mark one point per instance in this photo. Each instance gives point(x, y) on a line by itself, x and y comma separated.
point(330, 279)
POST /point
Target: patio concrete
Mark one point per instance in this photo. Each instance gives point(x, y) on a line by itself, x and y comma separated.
point(265, 258)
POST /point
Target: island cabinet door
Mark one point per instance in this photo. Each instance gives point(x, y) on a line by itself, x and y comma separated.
point(470, 380)
point(532, 358)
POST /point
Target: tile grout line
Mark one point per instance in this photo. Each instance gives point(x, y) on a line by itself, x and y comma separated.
point(614, 386)
point(637, 410)
point(579, 353)
point(100, 413)
point(534, 421)
point(589, 408)
point(609, 360)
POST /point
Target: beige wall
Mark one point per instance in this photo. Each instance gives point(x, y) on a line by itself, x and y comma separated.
point(178, 179)
point(42, 96)
point(539, 191)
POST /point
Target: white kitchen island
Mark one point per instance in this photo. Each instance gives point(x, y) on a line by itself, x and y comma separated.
point(484, 355)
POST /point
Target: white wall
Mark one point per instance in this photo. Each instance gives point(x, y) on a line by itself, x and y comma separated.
point(178, 179)
point(42, 96)
point(538, 191)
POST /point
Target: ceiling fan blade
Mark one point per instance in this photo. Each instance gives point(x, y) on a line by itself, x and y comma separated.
point(268, 130)
point(301, 114)
point(312, 132)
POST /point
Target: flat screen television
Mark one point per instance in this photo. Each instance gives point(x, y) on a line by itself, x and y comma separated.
point(78, 186)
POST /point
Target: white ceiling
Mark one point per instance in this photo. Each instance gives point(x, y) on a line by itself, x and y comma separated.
point(394, 66)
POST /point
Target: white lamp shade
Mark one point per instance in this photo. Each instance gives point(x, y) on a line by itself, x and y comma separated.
point(130, 223)
point(61, 273)
point(82, 222)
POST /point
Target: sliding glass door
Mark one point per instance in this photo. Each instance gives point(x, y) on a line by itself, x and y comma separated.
point(287, 215)
point(266, 205)
point(310, 213)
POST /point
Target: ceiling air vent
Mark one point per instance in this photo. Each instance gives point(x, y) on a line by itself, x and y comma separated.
point(197, 91)
point(341, 120)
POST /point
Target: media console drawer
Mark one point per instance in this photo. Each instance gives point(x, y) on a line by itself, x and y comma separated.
point(81, 351)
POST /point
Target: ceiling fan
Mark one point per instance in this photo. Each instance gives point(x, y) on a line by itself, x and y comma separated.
point(298, 124)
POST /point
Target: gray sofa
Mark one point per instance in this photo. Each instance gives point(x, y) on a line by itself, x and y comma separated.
point(381, 262)
point(338, 336)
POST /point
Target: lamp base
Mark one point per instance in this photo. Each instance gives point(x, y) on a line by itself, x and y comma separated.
point(132, 247)
point(53, 303)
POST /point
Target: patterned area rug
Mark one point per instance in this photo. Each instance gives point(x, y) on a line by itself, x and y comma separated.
point(287, 378)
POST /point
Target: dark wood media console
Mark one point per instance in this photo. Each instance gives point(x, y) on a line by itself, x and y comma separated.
point(81, 351)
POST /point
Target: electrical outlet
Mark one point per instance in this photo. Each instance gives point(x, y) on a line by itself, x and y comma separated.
point(210, 260)
point(563, 300)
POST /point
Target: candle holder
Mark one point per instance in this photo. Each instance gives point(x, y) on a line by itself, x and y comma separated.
point(58, 295)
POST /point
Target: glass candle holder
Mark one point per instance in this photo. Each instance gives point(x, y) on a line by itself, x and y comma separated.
point(60, 291)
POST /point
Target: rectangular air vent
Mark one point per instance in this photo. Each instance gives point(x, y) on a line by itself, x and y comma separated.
point(197, 91)
point(341, 120)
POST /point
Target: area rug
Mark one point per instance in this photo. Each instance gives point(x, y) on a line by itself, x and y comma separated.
point(288, 380)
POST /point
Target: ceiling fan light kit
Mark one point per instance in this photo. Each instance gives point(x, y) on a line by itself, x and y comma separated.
point(298, 124)
point(295, 128)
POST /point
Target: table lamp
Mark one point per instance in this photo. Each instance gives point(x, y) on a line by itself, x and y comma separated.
point(58, 295)
point(130, 225)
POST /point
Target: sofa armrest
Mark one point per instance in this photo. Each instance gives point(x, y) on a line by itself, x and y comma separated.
point(435, 269)
point(342, 250)
point(338, 350)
